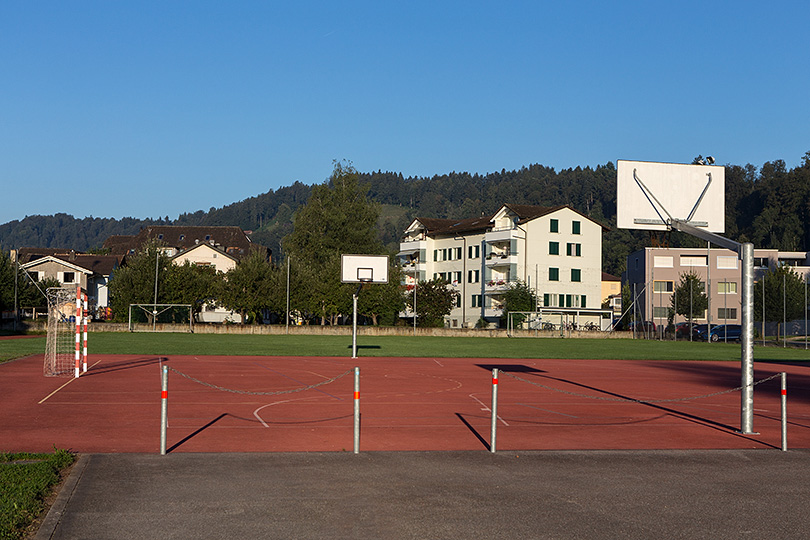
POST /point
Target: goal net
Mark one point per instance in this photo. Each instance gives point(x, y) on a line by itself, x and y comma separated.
point(66, 309)
point(161, 318)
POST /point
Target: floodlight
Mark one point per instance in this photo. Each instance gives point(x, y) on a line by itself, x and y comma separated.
point(710, 160)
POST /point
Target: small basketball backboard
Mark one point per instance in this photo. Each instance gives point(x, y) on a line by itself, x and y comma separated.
point(364, 268)
point(649, 194)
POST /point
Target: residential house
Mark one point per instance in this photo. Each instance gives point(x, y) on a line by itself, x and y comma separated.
point(612, 293)
point(556, 251)
point(71, 268)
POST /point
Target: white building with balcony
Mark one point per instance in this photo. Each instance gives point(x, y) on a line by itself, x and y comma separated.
point(556, 251)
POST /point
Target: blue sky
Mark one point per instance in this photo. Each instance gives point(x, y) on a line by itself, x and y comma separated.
point(151, 109)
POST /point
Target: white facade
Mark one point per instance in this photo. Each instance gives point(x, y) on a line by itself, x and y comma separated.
point(557, 252)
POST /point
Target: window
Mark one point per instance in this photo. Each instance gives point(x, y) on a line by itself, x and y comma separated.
point(569, 300)
point(555, 225)
point(458, 253)
point(761, 262)
point(573, 250)
point(456, 277)
point(435, 255)
point(473, 276)
point(546, 300)
point(660, 312)
point(553, 248)
point(182, 237)
point(457, 300)
point(582, 301)
point(662, 286)
point(693, 260)
point(662, 262)
point(575, 226)
point(473, 252)
point(576, 274)
point(554, 274)
point(68, 277)
point(476, 300)
point(727, 263)
point(727, 313)
point(727, 287)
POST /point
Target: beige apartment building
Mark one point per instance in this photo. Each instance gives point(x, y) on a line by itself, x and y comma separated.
point(556, 251)
point(653, 274)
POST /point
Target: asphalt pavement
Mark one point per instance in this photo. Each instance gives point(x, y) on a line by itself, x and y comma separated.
point(435, 495)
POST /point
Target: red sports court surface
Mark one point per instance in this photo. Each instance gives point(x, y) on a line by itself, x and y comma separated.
point(405, 404)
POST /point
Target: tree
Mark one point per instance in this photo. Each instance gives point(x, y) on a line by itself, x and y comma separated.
point(134, 283)
point(784, 295)
point(434, 300)
point(518, 297)
point(8, 277)
point(338, 218)
point(247, 288)
point(192, 284)
point(689, 298)
point(381, 299)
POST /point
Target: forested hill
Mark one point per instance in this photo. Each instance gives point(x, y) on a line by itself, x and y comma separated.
point(769, 206)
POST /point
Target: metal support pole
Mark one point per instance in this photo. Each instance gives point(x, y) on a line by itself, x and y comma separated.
point(287, 323)
point(494, 426)
point(747, 352)
point(164, 408)
point(354, 326)
point(356, 410)
point(784, 412)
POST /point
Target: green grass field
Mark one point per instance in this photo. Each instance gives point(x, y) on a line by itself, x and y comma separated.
point(25, 482)
point(474, 347)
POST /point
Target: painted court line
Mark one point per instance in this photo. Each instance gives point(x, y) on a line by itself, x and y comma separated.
point(64, 385)
point(485, 408)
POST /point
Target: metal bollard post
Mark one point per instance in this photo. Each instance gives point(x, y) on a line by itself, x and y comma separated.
point(784, 412)
point(356, 410)
point(494, 426)
point(164, 408)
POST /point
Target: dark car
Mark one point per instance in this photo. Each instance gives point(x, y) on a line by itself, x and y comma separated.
point(723, 332)
point(682, 329)
point(699, 329)
point(641, 326)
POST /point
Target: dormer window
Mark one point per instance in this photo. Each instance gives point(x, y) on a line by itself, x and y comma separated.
point(182, 237)
point(160, 237)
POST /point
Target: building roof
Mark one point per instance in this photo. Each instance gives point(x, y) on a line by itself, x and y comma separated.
point(527, 212)
point(102, 265)
point(229, 239)
point(610, 277)
point(455, 226)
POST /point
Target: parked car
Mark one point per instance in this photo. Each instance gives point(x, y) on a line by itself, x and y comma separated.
point(641, 326)
point(682, 329)
point(723, 332)
point(698, 329)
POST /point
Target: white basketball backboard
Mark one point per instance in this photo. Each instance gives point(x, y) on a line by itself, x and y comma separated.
point(364, 268)
point(650, 193)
